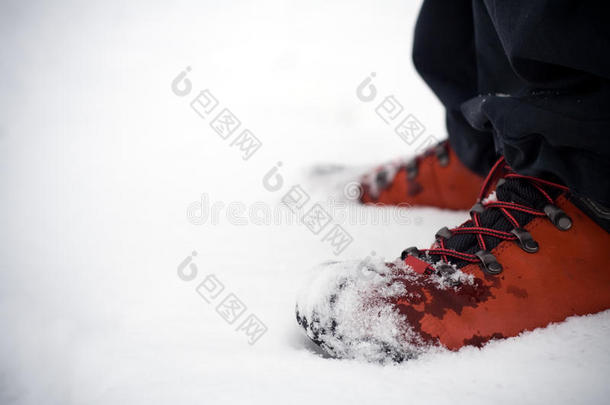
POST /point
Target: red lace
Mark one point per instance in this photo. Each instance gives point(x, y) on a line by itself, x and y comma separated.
point(499, 170)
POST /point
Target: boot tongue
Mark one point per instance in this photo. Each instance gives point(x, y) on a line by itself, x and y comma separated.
point(515, 190)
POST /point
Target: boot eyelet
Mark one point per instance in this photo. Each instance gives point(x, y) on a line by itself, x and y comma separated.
point(411, 169)
point(489, 264)
point(410, 251)
point(558, 217)
point(478, 208)
point(446, 271)
point(442, 155)
point(525, 240)
point(443, 233)
point(382, 179)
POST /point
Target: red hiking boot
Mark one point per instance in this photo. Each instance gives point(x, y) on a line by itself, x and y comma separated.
point(435, 178)
point(528, 256)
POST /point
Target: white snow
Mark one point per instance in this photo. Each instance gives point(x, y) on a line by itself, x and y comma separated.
point(352, 323)
point(99, 161)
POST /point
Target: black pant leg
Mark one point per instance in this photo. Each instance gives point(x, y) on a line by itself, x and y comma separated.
point(554, 121)
point(528, 79)
point(444, 55)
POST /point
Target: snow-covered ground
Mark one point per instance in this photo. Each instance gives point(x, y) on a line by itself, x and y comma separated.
point(102, 167)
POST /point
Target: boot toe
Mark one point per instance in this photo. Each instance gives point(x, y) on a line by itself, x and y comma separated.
point(348, 309)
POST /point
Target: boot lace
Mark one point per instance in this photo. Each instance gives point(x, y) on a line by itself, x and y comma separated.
point(384, 175)
point(495, 220)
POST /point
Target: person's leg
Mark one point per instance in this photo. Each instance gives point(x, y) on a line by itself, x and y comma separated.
point(554, 121)
point(444, 55)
